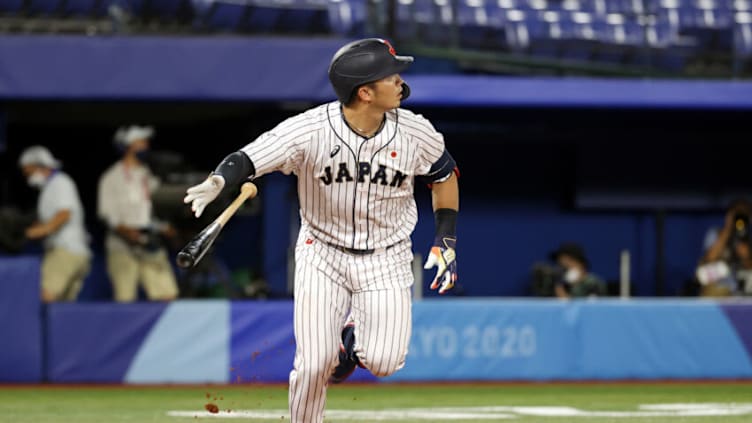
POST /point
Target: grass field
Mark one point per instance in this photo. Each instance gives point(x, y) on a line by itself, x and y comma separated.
point(525, 403)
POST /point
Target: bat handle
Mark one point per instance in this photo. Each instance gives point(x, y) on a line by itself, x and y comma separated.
point(247, 190)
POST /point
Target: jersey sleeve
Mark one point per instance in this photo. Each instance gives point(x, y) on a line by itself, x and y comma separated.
point(282, 148)
point(431, 148)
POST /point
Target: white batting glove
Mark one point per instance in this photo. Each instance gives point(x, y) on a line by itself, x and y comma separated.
point(204, 193)
point(444, 257)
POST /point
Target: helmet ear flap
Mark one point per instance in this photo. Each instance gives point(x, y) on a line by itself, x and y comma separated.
point(405, 91)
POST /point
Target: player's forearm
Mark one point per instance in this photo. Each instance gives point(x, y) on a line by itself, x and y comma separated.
point(446, 194)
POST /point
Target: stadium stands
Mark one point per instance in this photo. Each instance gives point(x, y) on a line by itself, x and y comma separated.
point(664, 33)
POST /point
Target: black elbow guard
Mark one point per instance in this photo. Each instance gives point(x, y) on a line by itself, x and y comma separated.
point(235, 168)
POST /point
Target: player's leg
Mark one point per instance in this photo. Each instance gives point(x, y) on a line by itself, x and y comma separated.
point(382, 309)
point(122, 267)
point(383, 324)
point(320, 308)
point(157, 276)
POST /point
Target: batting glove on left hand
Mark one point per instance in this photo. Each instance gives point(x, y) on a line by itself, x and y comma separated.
point(204, 193)
point(443, 256)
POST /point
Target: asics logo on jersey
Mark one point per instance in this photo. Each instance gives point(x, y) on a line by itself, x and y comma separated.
point(365, 171)
point(334, 151)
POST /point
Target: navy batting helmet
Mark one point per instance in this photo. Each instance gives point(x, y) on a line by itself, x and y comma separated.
point(364, 61)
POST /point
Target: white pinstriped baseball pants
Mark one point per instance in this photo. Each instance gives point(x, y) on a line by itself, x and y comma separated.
point(329, 284)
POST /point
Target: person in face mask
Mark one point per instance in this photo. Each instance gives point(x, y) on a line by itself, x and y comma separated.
point(67, 257)
point(577, 280)
point(135, 254)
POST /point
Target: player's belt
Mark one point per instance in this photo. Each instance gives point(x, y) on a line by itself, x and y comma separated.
point(357, 252)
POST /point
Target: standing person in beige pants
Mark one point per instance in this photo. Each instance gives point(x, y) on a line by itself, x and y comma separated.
point(135, 254)
point(60, 224)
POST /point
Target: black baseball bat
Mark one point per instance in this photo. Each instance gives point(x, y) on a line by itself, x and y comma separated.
point(195, 249)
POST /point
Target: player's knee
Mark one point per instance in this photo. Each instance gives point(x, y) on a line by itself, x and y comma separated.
point(384, 366)
point(321, 368)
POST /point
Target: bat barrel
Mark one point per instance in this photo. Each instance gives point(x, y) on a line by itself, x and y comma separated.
point(185, 260)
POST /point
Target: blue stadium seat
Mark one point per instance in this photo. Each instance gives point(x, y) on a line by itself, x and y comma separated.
point(660, 34)
point(742, 5)
point(477, 28)
point(619, 30)
point(406, 28)
point(593, 6)
point(743, 35)
point(627, 7)
point(518, 31)
point(347, 17)
point(434, 20)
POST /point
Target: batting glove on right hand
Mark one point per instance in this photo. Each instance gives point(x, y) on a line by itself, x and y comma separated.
point(204, 193)
point(444, 257)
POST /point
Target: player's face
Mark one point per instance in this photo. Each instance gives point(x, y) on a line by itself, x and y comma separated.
point(387, 92)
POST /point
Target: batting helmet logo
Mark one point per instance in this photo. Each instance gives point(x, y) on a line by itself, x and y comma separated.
point(392, 51)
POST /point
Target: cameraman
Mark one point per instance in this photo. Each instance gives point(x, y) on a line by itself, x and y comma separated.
point(135, 253)
point(67, 256)
point(576, 281)
point(726, 267)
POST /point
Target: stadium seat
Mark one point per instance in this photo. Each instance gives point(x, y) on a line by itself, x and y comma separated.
point(743, 35)
point(434, 20)
point(347, 17)
point(619, 30)
point(742, 5)
point(627, 7)
point(477, 27)
point(405, 27)
point(593, 6)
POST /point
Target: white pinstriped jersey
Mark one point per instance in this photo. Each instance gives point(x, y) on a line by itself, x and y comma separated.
point(354, 192)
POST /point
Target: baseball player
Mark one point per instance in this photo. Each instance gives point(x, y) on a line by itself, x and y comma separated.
point(134, 252)
point(67, 257)
point(356, 160)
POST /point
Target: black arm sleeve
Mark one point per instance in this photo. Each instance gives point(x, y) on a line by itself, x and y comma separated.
point(446, 222)
point(235, 168)
point(441, 169)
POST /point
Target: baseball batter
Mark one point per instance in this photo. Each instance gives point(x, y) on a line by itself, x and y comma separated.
point(357, 161)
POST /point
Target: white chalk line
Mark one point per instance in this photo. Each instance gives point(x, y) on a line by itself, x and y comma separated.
point(490, 413)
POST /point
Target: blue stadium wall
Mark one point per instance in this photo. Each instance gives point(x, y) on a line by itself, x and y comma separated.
point(456, 340)
point(453, 339)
